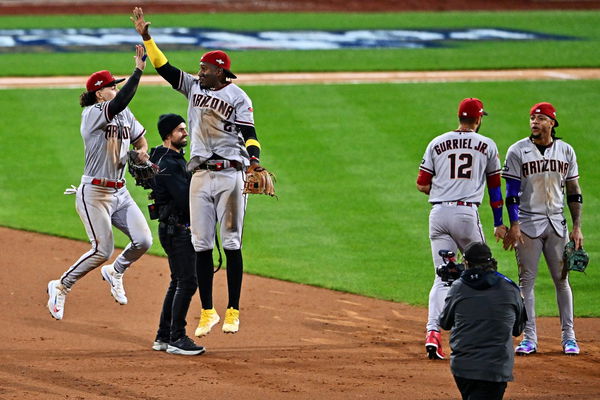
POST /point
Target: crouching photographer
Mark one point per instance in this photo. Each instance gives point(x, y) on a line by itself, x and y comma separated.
point(483, 309)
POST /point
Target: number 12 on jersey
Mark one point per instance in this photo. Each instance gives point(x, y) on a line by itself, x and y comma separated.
point(462, 168)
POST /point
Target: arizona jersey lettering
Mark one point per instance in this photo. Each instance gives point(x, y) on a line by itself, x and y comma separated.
point(107, 141)
point(212, 119)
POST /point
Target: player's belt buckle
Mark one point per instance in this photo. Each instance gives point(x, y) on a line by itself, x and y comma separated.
point(218, 165)
point(466, 203)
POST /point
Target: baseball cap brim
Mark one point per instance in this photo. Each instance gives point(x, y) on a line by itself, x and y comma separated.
point(110, 83)
point(116, 81)
point(229, 74)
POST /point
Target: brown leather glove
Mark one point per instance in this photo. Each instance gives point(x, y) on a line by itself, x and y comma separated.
point(259, 181)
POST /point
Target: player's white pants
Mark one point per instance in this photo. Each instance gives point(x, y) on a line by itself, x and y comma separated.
point(451, 227)
point(216, 196)
point(99, 208)
point(528, 257)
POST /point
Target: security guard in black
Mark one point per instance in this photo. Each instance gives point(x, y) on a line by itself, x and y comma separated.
point(170, 191)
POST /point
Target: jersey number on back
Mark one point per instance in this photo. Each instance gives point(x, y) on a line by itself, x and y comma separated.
point(463, 168)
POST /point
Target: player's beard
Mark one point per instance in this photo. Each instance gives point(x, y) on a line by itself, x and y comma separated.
point(534, 136)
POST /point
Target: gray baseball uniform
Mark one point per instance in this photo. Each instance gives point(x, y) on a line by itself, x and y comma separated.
point(460, 162)
point(106, 143)
point(216, 196)
point(544, 228)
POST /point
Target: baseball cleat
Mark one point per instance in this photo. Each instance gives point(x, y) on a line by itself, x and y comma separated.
point(56, 299)
point(525, 347)
point(115, 281)
point(208, 319)
point(185, 347)
point(232, 321)
point(433, 345)
point(160, 345)
point(570, 347)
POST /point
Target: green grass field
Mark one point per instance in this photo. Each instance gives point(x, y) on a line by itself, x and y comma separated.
point(346, 157)
point(460, 55)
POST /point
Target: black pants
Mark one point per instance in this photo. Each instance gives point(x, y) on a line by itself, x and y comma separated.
point(182, 262)
point(472, 389)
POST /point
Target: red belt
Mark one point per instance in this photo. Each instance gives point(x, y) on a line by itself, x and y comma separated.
point(458, 203)
point(108, 183)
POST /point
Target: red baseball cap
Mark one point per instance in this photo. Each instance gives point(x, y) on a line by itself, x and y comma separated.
point(471, 108)
point(219, 59)
point(101, 79)
point(544, 108)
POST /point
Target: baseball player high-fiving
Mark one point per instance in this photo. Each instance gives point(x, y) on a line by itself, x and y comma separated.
point(223, 145)
point(454, 172)
point(108, 128)
point(536, 171)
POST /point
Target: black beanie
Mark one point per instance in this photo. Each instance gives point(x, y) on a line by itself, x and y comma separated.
point(478, 253)
point(168, 122)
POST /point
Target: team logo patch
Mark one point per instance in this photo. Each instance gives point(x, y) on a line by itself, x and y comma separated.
point(220, 61)
point(98, 83)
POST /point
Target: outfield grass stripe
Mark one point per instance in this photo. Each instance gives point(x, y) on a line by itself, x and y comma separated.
point(338, 77)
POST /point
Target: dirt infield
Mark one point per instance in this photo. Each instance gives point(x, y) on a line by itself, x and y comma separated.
point(295, 342)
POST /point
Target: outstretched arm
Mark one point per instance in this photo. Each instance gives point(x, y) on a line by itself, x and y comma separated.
point(124, 96)
point(170, 73)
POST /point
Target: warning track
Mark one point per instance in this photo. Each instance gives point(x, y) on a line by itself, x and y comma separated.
point(302, 78)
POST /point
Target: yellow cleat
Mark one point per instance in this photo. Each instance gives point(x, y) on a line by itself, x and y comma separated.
point(208, 319)
point(232, 320)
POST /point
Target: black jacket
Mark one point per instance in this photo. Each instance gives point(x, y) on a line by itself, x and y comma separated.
point(484, 310)
point(171, 186)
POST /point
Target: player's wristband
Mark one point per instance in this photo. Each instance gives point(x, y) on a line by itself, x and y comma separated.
point(252, 142)
point(575, 198)
point(157, 58)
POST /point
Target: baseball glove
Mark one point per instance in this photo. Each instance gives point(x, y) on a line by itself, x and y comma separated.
point(259, 181)
point(140, 170)
point(574, 260)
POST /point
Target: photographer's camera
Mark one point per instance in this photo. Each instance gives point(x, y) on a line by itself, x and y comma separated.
point(449, 271)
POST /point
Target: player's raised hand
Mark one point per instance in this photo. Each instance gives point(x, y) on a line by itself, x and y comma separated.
point(513, 237)
point(141, 26)
point(140, 57)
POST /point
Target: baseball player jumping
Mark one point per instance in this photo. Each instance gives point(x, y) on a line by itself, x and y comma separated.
point(223, 145)
point(454, 171)
point(536, 170)
point(108, 128)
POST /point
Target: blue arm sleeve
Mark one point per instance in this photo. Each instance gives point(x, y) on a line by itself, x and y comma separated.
point(513, 187)
point(496, 203)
